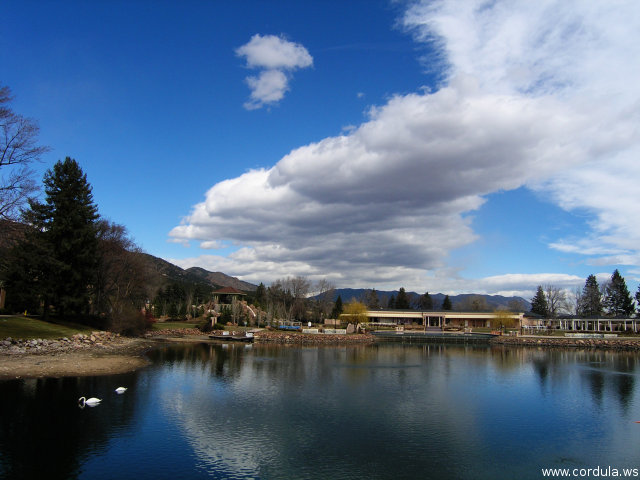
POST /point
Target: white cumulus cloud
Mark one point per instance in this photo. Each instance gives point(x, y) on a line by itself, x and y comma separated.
point(538, 94)
point(583, 54)
point(276, 57)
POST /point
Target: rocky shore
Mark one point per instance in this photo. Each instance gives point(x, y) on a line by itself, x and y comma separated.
point(99, 353)
point(568, 342)
point(96, 340)
point(266, 336)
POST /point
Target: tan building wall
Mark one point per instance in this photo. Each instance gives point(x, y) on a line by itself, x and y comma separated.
point(438, 319)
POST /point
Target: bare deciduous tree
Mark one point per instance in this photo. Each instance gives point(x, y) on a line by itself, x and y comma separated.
point(473, 303)
point(299, 288)
point(121, 275)
point(575, 299)
point(18, 149)
point(556, 301)
point(324, 291)
point(516, 305)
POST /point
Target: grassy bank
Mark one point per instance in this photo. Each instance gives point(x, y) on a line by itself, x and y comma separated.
point(27, 328)
point(175, 325)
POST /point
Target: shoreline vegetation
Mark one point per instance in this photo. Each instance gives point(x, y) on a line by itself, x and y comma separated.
point(105, 353)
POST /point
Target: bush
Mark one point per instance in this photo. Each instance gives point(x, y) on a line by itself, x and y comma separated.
point(130, 322)
point(205, 327)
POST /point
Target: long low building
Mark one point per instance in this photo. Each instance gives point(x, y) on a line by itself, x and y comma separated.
point(442, 319)
point(446, 319)
point(592, 324)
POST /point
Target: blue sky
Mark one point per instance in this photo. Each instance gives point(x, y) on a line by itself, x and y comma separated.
point(448, 146)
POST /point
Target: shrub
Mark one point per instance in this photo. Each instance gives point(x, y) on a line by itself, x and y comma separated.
point(130, 322)
point(205, 327)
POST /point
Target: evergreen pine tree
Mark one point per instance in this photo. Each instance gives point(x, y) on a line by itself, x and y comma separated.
point(426, 302)
point(391, 303)
point(29, 268)
point(590, 303)
point(539, 303)
point(446, 303)
point(374, 302)
point(337, 308)
point(66, 223)
point(638, 300)
point(402, 301)
point(617, 299)
point(261, 296)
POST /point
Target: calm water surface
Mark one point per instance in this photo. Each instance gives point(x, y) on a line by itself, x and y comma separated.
point(387, 411)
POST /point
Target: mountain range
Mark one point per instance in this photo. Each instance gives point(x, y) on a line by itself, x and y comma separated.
point(219, 279)
point(459, 302)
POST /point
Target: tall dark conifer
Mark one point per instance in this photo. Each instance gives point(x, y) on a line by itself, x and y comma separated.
point(446, 303)
point(426, 302)
point(374, 302)
point(28, 272)
point(539, 303)
point(261, 295)
point(67, 225)
point(337, 308)
point(402, 300)
point(617, 299)
point(391, 303)
point(590, 303)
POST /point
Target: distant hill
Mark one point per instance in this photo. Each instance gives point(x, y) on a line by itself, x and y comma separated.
point(162, 272)
point(491, 302)
point(221, 279)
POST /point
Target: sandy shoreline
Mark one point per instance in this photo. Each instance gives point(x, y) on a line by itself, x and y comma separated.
point(123, 355)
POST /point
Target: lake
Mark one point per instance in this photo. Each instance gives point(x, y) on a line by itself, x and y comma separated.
point(379, 411)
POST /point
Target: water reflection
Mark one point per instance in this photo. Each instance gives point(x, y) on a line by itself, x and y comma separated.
point(381, 411)
point(363, 399)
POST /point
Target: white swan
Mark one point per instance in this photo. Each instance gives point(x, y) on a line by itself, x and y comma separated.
point(120, 390)
point(92, 402)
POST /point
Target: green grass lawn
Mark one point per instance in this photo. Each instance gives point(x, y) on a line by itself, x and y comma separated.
point(28, 328)
point(175, 325)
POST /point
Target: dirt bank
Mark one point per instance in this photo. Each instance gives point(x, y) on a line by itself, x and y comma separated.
point(119, 356)
point(100, 353)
